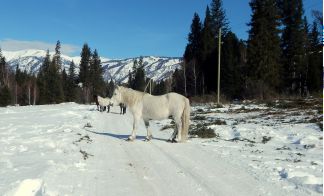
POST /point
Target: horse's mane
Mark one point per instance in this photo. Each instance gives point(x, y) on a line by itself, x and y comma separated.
point(130, 96)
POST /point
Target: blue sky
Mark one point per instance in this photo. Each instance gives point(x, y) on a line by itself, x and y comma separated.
point(117, 29)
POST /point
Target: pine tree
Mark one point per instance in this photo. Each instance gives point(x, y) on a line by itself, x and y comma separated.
point(292, 43)
point(131, 74)
point(192, 55)
point(57, 61)
point(232, 67)
point(42, 82)
point(22, 87)
point(178, 82)
point(194, 40)
point(207, 40)
point(215, 19)
point(218, 18)
point(315, 62)
point(84, 75)
point(85, 65)
point(65, 84)
point(70, 94)
point(96, 74)
point(139, 77)
point(54, 77)
point(263, 53)
point(5, 96)
point(160, 88)
point(4, 75)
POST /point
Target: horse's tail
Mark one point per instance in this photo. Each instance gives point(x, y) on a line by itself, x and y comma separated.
point(185, 121)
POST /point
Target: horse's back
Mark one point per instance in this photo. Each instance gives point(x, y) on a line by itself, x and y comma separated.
point(176, 102)
point(155, 107)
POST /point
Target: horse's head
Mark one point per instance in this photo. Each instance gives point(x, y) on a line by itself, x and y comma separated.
point(116, 99)
point(95, 98)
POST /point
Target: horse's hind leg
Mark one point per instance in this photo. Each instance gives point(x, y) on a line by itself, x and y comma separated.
point(173, 136)
point(178, 123)
point(177, 131)
point(149, 134)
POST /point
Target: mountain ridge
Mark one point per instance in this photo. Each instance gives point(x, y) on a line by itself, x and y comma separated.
point(156, 67)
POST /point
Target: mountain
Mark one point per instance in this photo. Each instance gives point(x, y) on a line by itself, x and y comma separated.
point(157, 68)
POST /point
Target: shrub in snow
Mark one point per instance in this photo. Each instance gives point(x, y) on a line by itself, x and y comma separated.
point(203, 132)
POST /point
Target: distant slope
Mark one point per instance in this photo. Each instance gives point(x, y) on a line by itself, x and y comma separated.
point(157, 68)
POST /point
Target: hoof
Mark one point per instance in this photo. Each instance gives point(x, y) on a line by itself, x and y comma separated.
point(148, 138)
point(130, 139)
point(172, 140)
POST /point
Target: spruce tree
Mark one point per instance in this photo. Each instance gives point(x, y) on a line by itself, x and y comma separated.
point(194, 40)
point(65, 84)
point(54, 77)
point(178, 82)
point(71, 91)
point(160, 88)
point(207, 40)
point(85, 65)
point(263, 53)
point(84, 75)
point(315, 75)
point(139, 77)
point(193, 55)
point(5, 96)
point(42, 82)
point(57, 61)
point(232, 67)
point(96, 80)
point(214, 20)
point(292, 43)
point(131, 75)
point(218, 18)
point(3, 70)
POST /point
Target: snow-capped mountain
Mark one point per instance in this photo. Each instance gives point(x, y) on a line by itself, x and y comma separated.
point(157, 68)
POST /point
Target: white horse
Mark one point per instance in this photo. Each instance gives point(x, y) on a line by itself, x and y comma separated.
point(148, 107)
point(104, 102)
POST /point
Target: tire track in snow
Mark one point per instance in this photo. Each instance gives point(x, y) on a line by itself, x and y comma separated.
point(198, 179)
point(218, 178)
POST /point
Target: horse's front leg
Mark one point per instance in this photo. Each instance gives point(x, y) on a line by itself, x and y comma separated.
point(135, 125)
point(149, 134)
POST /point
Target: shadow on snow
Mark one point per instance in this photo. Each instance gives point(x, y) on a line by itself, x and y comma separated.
point(122, 136)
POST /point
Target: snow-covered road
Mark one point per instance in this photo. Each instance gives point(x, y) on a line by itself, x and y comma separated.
point(52, 150)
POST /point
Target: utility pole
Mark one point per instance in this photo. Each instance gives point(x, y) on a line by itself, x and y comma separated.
point(151, 87)
point(219, 57)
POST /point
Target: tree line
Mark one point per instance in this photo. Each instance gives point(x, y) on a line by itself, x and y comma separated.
point(283, 53)
point(53, 84)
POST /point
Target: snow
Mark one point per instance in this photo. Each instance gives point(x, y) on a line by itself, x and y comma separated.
point(72, 149)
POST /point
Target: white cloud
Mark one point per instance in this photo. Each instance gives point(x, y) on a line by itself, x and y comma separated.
point(15, 45)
